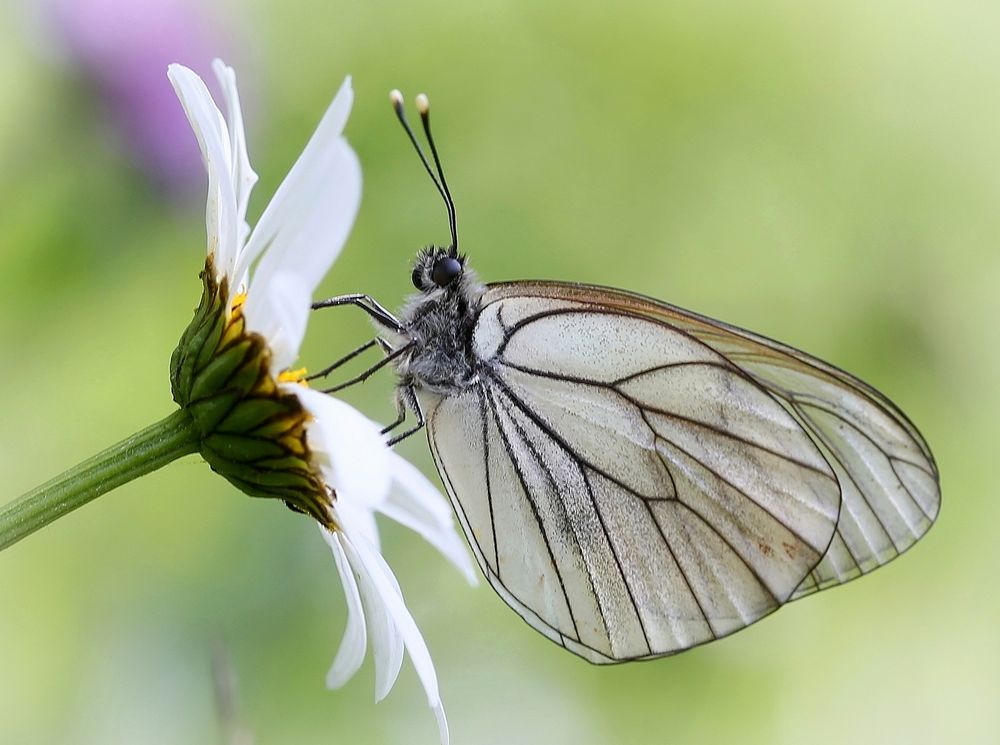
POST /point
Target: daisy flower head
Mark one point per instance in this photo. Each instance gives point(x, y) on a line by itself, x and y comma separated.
point(260, 425)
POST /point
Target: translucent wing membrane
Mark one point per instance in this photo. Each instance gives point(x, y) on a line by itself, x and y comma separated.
point(889, 481)
point(636, 480)
point(888, 477)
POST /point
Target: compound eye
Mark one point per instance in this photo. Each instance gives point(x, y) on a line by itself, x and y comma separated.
point(415, 278)
point(445, 270)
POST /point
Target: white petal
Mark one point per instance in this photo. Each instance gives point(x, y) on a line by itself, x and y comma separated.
point(415, 503)
point(442, 722)
point(352, 649)
point(353, 455)
point(242, 175)
point(371, 568)
point(213, 138)
point(420, 491)
point(305, 225)
point(278, 310)
point(386, 641)
point(358, 519)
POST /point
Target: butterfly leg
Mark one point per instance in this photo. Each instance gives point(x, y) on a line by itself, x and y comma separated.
point(346, 358)
point(368, 304)
point(370, 371)
point(407, 398)
point(400, 413)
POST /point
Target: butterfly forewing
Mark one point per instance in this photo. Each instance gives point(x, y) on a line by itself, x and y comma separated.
point(629, 489)
point(888, 478)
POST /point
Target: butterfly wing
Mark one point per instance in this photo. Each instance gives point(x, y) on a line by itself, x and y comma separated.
point(627, 488)
point(887, 474)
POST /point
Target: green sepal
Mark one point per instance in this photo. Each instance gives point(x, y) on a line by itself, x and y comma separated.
point(261, 416)
point(252, 432)
point(210, 336)
point(275, 428)
point(271, 479)
point(240, 449)
point(225, 371)
point(193, 348)
point(208, 412)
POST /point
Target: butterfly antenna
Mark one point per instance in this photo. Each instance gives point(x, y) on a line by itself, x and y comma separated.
point(396, 98)
point(424, 107)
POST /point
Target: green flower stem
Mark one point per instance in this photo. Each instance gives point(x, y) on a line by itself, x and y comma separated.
point(135, 456)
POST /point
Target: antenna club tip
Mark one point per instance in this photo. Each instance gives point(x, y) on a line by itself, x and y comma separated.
point(423, 105)
point(396, 98)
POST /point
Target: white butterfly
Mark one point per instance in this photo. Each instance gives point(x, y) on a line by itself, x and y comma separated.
point(636, 479)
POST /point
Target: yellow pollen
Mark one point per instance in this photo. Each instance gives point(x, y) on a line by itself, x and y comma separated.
point(237, 305)
point(293, 376)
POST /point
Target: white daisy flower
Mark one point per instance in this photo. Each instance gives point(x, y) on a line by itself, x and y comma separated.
point(261, 426)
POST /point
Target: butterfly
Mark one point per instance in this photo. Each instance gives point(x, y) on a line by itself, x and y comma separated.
point(636, 479)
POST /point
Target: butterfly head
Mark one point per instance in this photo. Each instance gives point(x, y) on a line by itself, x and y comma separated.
point(437, 268)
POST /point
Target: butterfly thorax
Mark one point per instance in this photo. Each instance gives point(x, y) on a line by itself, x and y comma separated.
point(438, 323)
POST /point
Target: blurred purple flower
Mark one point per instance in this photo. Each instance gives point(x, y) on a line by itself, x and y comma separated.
point(122, 48)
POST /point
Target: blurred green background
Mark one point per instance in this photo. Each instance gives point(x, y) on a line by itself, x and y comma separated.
point(825, 173)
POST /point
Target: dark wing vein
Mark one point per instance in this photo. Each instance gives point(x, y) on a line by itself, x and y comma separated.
point(850, 476)
point(674, 365)
point(889, 458)
point(663, 460)
point(645, 407)
point(544, 426)
point(615, 383)
point(870, 394)
point(618, 563)
point(738, 490)
point(565, 514)
point(724, 432)
point(534, 511)
point(680, 568)
point(509, 331)
point(701, 518)
point(481, 397)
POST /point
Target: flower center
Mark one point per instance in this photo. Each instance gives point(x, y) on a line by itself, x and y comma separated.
point(294, 376)
point(237, 307)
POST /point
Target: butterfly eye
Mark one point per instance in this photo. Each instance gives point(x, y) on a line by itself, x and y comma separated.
point(445, 270)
